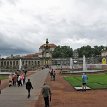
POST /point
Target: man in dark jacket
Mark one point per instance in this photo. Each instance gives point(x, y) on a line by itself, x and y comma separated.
point(28, 87)
point(46, 92)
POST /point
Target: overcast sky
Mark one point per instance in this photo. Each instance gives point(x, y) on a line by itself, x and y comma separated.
point(25, 24)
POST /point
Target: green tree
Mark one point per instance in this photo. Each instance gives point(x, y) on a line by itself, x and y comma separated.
point(98, 49)
point(89, 52)
point(66, 51)
point(85, 50)
point(62, 52)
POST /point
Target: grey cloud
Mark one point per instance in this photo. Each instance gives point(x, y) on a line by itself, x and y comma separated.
point(9, 51)
point(26, 28)
point(13, 2)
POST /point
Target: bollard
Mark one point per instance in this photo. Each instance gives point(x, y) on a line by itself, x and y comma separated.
point(0, 86)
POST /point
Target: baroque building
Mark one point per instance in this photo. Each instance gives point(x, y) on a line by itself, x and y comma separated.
point(46, 53)
point(29, 61)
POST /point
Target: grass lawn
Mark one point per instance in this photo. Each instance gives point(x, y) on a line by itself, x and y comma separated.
point(3, 77)
point(95, 81)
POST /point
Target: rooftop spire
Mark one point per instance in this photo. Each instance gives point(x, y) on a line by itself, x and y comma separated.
point(47, 41)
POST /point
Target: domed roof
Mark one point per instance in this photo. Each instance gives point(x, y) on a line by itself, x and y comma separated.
point(50, 45)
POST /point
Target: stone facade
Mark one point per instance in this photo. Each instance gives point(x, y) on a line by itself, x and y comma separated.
point(30, 61)
point(27, 63)
point(46, 53)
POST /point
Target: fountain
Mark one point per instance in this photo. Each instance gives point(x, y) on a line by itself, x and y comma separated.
point(71, 63)
point(20, 65)
point(87, 68)
point(84, 64)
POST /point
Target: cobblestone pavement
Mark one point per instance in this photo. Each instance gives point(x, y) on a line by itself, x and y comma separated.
point(17, 96)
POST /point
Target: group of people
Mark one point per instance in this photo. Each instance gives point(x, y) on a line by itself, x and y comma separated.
point(52, 75)
point(17, 78)
point(46, 91)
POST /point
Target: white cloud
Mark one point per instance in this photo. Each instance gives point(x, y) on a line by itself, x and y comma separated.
point(25, 24)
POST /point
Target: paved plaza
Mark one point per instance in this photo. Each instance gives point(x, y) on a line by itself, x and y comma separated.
point(63, 94)
point(17, 96)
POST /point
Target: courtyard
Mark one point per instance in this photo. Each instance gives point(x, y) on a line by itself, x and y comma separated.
point(64, 94)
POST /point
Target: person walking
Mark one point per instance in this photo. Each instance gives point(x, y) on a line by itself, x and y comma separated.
point(54, 74)
point(10, 80)
point(84, 81)
point(51, 74)
point(29, 87)
point(19, 81)
point(14, 79)
point(46, 92)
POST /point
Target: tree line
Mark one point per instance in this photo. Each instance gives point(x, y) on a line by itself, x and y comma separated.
point(88, 51)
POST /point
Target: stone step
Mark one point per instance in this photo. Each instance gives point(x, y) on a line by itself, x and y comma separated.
point(80, 88)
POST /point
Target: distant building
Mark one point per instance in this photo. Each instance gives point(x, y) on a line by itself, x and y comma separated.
point(13, 63)
point(51, 47)
point(30, 61)
point(104, 53)
point(13, 56)
point(75, 54)
point(46, 52)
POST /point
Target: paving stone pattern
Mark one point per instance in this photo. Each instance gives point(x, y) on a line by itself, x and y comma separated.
point(17, 96)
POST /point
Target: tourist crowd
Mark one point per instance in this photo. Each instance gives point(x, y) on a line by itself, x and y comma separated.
point(17, 79)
